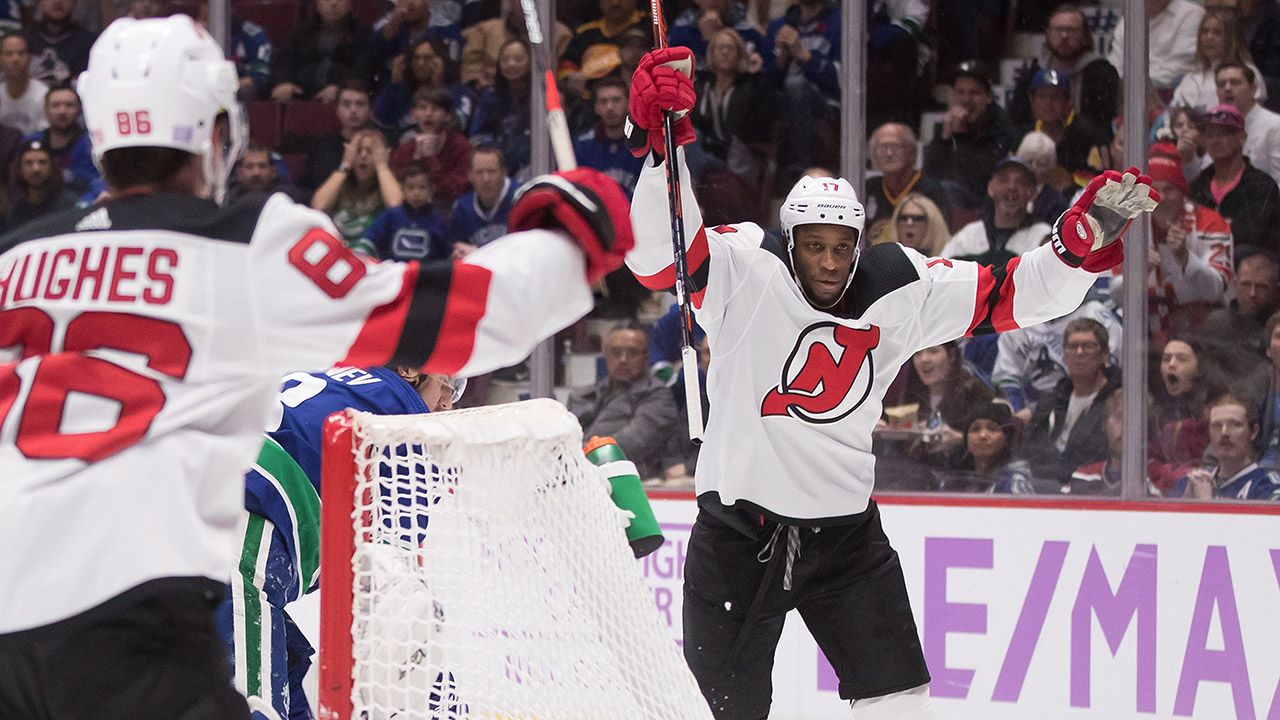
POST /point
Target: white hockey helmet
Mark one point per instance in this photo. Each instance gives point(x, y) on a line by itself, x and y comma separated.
point(822, 200)
point(162, 82)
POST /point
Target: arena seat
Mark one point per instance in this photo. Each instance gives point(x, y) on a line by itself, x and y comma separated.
point(310, 118)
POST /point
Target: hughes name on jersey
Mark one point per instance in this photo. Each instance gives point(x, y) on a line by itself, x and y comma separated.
point(141, 344)
point(803, 387)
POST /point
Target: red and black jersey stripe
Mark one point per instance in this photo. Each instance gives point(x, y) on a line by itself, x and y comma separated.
point(993, 307)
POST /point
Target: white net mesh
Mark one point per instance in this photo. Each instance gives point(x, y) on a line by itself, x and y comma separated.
point(493, 578)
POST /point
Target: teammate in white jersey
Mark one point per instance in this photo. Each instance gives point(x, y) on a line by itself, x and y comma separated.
point(806, 335)
point(141, 343)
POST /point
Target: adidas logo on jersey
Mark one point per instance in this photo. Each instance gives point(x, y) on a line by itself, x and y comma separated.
point(96, 220)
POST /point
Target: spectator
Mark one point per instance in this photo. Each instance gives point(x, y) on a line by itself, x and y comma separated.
point(329, 49)
point(325, 152)
point(604, 148)
point(1041, 153)
point(1067, 429)
point(412, 230)
point(696, 27)
point(985, 461)
point(361, 188)
point(1192, 266)
point(893, 153)
point(1068, 48)
point(1269, 439)
point(1006, 228)
point(422, 66)
point(251, 50)
point(481, 215)
point(894, 91)
point(628, 404)
point(1184, 125)
point(1246, 196)
point(409, 22)
point(1103, 478)
point(666, 341)
point(144, 9)
point(1030, 361)
point(594, 46)
point(1236, 86)
point(1218, 41)
point(502, 113)
point(256, 173)
point(40, 189)
point(1171, 40)
point(1184, 385)
point(1073, 134)
point(22, 101)
point(485, 40)
point(802, 51)
point(944, 392)
point(1260, 21)
point(917, 223)
point(974, 135)
point(735, 108)
point(1233, 427)
point(58, 44)
point(66, 140)
point(1242, 323)
point(434, 142)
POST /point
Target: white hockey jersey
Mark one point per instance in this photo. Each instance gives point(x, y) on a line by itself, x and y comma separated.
point(796, 392)
point(141, 345)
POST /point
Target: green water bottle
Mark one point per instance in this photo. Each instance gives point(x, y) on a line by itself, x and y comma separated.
point(628, 494)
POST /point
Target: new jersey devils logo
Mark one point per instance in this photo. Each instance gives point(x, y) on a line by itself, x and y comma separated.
point(828, 374)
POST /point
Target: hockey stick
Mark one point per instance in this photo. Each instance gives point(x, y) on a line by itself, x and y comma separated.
point(688, 356)
point(557, 125)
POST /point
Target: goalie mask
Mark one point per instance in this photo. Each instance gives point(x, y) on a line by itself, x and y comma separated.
point(163, 82)
point(822, 201)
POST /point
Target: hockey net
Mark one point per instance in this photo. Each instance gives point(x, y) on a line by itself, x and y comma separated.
point(475, 567)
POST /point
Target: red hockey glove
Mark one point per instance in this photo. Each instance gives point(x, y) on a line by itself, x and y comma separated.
point(1088, 235)
point(662, 81)
point(586, 204)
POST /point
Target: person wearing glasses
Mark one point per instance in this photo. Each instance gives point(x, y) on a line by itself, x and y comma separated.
point(893, 153)
point(280, 554)
point(1068, 427)
point(916, 223)
point(629, 404)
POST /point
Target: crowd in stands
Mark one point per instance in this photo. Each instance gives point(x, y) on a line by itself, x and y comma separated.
point(409, 123)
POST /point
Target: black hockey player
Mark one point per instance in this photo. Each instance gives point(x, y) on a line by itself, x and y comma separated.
point(806, 335)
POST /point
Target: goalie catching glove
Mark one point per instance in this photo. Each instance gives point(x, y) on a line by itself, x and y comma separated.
point(662, 82)
point(586, 204)
point(1088, 235)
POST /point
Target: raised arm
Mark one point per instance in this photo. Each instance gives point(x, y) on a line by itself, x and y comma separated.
point(1050, 281)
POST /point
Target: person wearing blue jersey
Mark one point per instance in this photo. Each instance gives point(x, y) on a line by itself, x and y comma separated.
point(412, 230)
point(1233, 428)
point(481, 215)
point(280, 554)
point(604, 147)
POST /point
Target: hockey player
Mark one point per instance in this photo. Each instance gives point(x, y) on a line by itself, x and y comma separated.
point(279, 560)
point(807, 334)
point(141, 343)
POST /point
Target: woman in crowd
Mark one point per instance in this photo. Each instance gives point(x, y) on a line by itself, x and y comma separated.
point(985, 461)
point(917, 223)
point(425, 64)
point(735, 108)
point(1219, 40)
point(329, 48)
point(361, 188)
point(1184, 384)
point(502, 113)
point(944, 391)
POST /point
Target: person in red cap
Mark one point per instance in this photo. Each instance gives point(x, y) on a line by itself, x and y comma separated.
point(1246, 196)
point(1192, 249)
